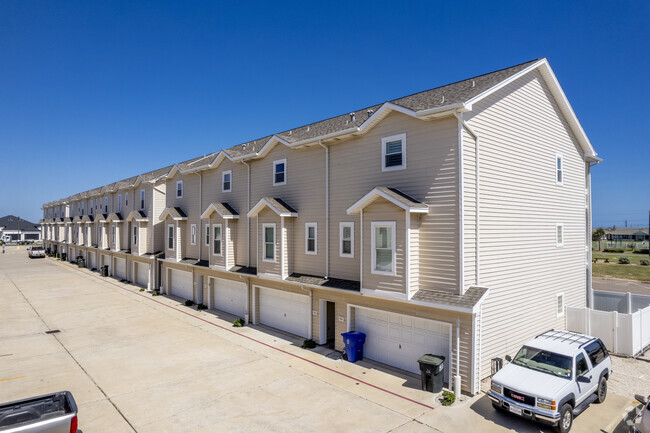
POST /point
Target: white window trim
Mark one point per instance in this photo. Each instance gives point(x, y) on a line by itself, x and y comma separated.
point(179, 182)
point(193, 234)
point(558, 296)
point(341, 227)
point(559, 242)
point(223, 180)
point(275, 245)
point(383, 152)
point(558, 156)
point(207, 235)
point(173, 237)
point(220, 253)
point(315, 226)
point(280, 161)
point(142, 199)
point(373, 226)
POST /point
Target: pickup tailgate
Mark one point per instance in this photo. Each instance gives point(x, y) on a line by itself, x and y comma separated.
point(50, 413)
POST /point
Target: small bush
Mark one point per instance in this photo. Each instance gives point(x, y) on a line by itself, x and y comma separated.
point(642, 251)
point(623, 261)
point(201, 307)
point(189, 303)
point(645, 262)
point(238, 323)
point(308, 344)
point(448, 398)
point(613, 250)
point(141, 289)
point(155, 293)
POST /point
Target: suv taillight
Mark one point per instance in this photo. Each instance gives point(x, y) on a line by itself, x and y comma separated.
point(73, 424)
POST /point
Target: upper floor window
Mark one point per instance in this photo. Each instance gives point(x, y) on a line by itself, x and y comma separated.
point(105, 204)
point(207, 235)
point(126, 200)
point(142, 199)
point(135, 236)
point(280, 172)
point(179, 189)
point(216, 245)
point(119, 203)
point(310, 238)
point(193, 234)
point(347, 239)
point(226, 181)
point(269, 242)
point(113, 234)
point(383, 248)
point(170, 236)
point(559, 305)
point(393, 152)
point(559, 169)
point(559, 235)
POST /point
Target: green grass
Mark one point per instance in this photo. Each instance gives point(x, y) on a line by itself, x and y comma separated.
point(626, 272)
point(635, 259)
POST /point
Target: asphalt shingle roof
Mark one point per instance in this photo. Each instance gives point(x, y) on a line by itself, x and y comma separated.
point(11, 222)
point(468, 300)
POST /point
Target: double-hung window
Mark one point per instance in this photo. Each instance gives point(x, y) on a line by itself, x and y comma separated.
point(207, 235)
point(170, 236)
point(216, 245)
point(226, 181)
point(119, 203)
point(559, 235)
point(193, 234)
point(126, 200)
point(269, 242)
point(280, 172)
point(559, 305)
point(383, 248)
point(310, 238)
point(179, 189)
point(135, 236)
point(105, 204)
point(113, 234)
point(142, 199)
point(559, 169)
point(393, 152)
point(346, 233)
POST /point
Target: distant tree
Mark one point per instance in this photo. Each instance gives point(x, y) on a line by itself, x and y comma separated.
point(597, 235)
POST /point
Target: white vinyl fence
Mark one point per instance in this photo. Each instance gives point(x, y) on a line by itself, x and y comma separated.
point(623, 334)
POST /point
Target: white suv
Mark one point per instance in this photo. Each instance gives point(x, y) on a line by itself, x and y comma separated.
point(553, 378)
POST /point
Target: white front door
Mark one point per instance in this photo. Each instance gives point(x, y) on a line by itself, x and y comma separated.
point(230, 296)
point(399, 340)
point(289, 312)
point(182, 284)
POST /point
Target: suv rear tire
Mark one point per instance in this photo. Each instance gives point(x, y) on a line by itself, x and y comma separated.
point(601, 392)
point(566, 419)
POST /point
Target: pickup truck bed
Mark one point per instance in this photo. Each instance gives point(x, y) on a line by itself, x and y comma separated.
point(50, 413)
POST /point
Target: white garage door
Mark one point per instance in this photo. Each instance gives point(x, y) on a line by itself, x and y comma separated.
point(142, 274)
point(286, 311)
point(230, 296)
point(399, 340)
point(120, 268)
point(182, 284)
point(91, 260)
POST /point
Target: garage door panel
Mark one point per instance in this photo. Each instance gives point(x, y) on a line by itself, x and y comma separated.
point(289, 312)
point(400, 340)
point(142, 274)
point(182, 284)
point(120, 268)
point(230, 296)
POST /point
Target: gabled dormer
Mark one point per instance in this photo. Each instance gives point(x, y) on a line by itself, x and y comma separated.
point(221, 234)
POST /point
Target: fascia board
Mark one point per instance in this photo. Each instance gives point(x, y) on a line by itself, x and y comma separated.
point(360, 204)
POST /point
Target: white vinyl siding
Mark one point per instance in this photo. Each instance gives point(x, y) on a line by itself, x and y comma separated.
point(280, 172)
point(217, 248)
point(193, 234)
point(311, 233)
point(383, 248)
point(346, 237)
point(269, 242)
point(393, 152)
point(226, 181)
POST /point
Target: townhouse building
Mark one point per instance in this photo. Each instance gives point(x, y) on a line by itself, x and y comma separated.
point(454, 221)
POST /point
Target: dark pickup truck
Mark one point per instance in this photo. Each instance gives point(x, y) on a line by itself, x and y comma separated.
point(50, 413)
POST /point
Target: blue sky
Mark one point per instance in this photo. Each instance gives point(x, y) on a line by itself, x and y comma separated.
point(94, 92)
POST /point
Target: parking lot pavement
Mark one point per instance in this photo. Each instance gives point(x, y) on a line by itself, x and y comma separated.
point(149, 364)
point(616, 285)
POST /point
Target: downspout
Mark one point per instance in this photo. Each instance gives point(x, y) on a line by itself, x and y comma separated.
point(327, 208)
point(248, 220)
point(310, 330)
point(457, 377)
point(478, 190)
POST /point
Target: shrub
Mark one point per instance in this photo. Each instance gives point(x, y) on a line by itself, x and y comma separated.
point(141, 289)
point(645, 262)
point(642, 251)
point(613, 250)
point(155, 293)
point(448, 398)
point(201, 307)
point(308, 344)
point(189, 303)
point(623, 261)
point(238, 323)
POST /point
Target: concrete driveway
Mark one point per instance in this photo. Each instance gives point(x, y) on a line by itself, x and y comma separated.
point(149, 364)
point(615, 285)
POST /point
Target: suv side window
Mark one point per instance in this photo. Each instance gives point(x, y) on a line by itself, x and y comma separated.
point(581, 365)
point(595, 352)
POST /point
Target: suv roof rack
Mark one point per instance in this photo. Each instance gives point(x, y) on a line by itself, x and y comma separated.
point(566, 336)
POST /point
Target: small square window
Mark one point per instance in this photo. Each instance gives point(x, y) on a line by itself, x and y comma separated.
point(310, 238)
point(559, 305)
point(280, 172)
point(559, 235)
point(393, 152)
point(559, 169)
point(179, 189)
point(226, 181)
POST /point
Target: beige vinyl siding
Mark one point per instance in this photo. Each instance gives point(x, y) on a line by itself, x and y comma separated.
point(155, 203)
point(431, 175)
point(469, 209)
point(521, 130)
point(190, 204)
point(414, 254)
point(231, 242)
point(383, 211)
point(267, 216)
point(304, 191)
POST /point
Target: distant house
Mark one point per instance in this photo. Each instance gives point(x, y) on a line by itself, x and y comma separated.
point(19, 229)
point(638, 234)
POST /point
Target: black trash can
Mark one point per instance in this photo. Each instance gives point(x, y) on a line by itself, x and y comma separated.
point(81, 262)
point(432, 371)
point(105, 271)
point(64, 256)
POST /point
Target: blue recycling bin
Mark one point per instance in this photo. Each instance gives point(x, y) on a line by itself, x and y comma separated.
point(354, 345)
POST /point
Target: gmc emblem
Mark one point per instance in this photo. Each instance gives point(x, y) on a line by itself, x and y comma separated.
point(517, 397)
